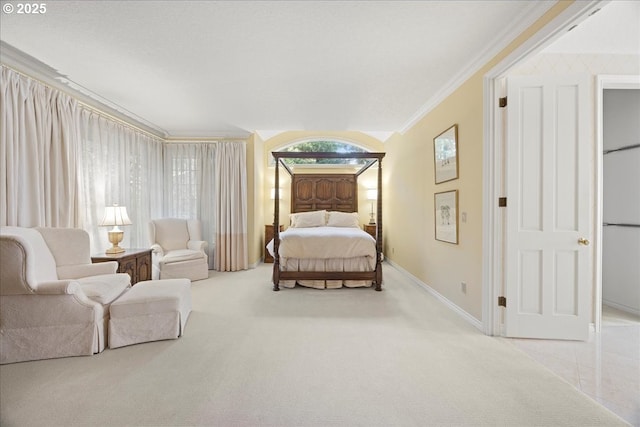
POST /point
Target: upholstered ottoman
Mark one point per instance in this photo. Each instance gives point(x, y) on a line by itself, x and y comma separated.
point(151, 310)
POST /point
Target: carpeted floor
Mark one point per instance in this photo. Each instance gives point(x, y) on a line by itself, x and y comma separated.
point(302, 357)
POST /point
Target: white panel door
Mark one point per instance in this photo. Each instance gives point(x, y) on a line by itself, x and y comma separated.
point(548, 264)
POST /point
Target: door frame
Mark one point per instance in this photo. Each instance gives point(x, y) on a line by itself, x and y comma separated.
point(603, 82)
point(494, 166)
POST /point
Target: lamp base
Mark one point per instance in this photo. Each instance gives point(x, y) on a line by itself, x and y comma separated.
point(114, 250)
point(115, 237)
point(372, 218)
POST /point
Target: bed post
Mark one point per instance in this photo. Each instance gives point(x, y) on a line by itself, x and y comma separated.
point(276, 229)
point(379, 230)
point(376, 274)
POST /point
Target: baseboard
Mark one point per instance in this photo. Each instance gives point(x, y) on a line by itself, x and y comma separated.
point(621, 307)
point(455, 308)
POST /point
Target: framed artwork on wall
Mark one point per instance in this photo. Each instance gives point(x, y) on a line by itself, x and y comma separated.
point(445, 151)
point(446, 216)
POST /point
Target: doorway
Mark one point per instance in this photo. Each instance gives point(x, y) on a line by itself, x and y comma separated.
point(588, 379)
point(618, 106)
point(495, 152)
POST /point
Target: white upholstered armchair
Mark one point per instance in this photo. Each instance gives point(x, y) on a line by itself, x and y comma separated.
point(178, 249)
point(53, 301)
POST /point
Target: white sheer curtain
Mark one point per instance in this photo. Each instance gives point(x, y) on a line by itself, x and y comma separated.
point(189, 174)
point(119, 165)
point(38, 146)
point(231, 210)
point(63, 164)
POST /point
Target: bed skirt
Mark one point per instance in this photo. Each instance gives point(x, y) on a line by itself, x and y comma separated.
point(327, 265)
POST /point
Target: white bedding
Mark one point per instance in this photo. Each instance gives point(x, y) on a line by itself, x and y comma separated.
point(325, 243)
point(326, 249)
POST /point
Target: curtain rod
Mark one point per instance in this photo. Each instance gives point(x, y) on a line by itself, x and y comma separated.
point(119, 120)
point(175, 140)
point(87, 106)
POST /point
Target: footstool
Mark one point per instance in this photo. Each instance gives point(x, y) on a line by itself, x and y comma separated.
point(151, 310)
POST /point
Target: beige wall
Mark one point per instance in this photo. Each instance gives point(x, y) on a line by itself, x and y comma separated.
point(409, 206)
point(409, 191)
point(255, 195)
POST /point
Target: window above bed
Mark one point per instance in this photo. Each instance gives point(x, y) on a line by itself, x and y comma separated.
point(322, 145)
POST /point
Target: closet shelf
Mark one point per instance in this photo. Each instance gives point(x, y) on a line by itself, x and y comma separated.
point(628, 147)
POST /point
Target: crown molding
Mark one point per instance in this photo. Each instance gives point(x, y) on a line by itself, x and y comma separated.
point(525, 19)
point(266, 134)
point(36, 69)
point(381, 136)
point(211, 138)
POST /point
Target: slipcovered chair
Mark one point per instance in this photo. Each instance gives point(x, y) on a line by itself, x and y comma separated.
point(178, 249)
point(53, 301)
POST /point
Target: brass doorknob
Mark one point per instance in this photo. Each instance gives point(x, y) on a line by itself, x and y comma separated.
point(583, 241)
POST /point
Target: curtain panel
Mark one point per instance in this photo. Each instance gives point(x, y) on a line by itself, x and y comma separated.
point(119, 165)
point(231, 211)
point(38, 151)
point(189, 175)
point(64, 163)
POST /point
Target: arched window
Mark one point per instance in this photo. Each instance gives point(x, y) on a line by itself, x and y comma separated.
point(323, 145)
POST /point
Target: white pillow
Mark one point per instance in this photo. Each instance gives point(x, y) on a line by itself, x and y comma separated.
point(292, 219)
point(343, 219)
point(309, 219)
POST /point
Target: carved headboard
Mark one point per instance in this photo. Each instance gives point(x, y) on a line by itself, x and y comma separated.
point(333, 192)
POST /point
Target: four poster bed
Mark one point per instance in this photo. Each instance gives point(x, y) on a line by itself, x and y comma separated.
point(325, 246)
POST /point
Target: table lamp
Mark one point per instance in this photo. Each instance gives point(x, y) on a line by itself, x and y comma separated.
point(114, 216)
point(372, 194)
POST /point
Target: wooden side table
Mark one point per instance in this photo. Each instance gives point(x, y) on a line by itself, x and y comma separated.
point(371, 229)
point(135, 262)
point(268, 235)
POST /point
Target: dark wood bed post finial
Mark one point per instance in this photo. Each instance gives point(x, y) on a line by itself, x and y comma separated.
point(276, 229)
point(379, 230)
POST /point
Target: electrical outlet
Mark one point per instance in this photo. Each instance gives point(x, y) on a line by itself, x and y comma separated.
point(463, 287)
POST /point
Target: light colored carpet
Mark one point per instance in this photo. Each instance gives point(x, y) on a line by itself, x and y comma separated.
point(302, 357)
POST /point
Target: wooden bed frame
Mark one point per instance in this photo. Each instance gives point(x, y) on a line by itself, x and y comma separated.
point(333, 192)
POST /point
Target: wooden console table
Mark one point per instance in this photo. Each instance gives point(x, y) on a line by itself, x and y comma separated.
point(135, 262)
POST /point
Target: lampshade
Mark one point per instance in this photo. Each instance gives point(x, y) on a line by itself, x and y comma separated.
point(273, 194)
point(115, 215)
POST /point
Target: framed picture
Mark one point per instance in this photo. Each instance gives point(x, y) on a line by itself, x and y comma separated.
point(445, 150)
point(446, 216)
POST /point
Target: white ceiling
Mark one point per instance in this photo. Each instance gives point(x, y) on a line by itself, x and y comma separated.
point(228, 68)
